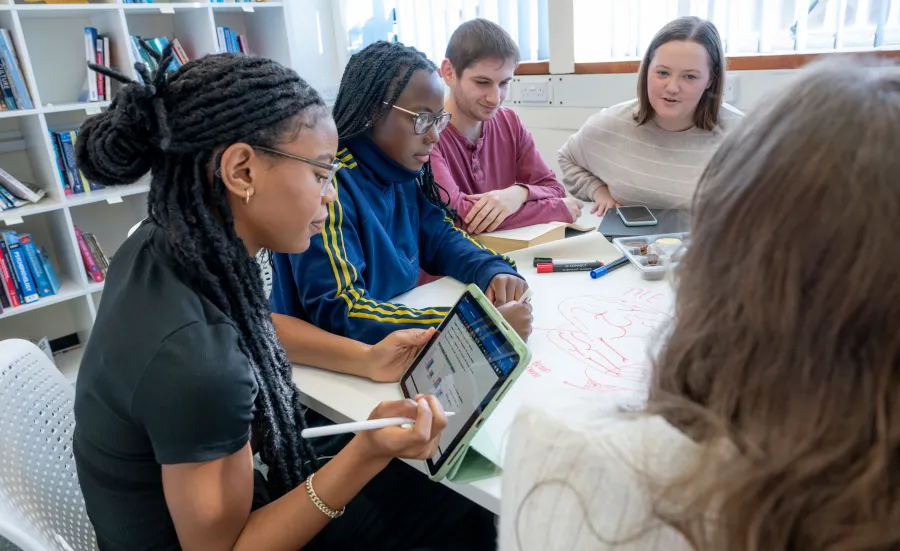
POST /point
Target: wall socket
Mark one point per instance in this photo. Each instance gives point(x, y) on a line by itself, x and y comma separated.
point(729, 94)
point(534, 93)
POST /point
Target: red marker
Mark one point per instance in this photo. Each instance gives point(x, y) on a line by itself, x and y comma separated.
point(568, 267)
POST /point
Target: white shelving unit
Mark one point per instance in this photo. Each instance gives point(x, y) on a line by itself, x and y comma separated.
point(50, 43)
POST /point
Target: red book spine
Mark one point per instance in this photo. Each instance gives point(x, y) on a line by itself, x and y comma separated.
point(8, 283)
point(101, 91)
point(89, 263)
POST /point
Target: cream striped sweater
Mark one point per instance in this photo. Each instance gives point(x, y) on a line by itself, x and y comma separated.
point(642, 165)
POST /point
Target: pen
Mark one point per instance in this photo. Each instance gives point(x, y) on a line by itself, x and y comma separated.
point(526, 296)
point(597, 272)
point(568, 267)
point(357, 426)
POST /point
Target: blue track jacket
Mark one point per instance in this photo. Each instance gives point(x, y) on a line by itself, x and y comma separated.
point(379, 231)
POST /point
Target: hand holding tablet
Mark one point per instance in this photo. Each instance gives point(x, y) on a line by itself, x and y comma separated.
point(468, 365)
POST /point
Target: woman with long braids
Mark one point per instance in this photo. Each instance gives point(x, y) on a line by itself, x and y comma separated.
point(389, 217)
point(183, 378)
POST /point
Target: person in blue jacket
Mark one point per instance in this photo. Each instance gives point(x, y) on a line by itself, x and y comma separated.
point(388, 219)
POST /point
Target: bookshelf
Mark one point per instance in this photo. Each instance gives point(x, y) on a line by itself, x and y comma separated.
point(49, 39)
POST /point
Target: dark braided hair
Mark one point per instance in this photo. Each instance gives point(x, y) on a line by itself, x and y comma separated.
point(176, 126)
point(379, 73)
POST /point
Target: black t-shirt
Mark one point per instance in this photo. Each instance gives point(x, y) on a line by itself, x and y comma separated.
point(162, 381)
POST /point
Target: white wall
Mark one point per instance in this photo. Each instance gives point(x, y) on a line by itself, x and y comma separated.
point(581, 96)
point(313, 42)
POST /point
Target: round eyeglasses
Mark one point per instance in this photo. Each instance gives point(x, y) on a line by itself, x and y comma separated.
point(423, 121)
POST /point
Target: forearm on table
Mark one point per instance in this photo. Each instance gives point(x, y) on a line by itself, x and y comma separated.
point(537, 212)
point(306, 344)
point(545, 188)
point(291, 521)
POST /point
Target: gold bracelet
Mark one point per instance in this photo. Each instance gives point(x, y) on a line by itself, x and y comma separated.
point(320, 505)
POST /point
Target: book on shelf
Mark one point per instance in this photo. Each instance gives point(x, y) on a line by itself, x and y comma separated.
point(15, 193)
point(230, 41)
point(90, 263)
point(19, 264)
point(26, 271)
point(73, 181)
point(98, 254)
point(12, 80)
point(96, 50)
point(157, 44)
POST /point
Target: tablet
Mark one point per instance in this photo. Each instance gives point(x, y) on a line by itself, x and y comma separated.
point(468, 365)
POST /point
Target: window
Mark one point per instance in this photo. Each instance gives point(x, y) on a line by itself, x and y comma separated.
point(622, 29)
point(427, 25)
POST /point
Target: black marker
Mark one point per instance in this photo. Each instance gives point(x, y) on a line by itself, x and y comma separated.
point(568, 267)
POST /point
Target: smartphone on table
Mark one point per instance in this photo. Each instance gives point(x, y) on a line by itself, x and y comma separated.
point(636, 216)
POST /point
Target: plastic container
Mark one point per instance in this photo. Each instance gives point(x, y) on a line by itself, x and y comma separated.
point(653, 254)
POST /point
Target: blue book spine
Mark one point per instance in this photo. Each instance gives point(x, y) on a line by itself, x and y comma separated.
point(11, 64)
point(162, 42)
point(50, 270)
point(6, 200)
point(8, 97)
point(223, 44)
point(12, 271)
point(235, 47)
point(63, 180)
point(68, 152)
point(20, 266)
point(36, 265)
point(229, 45)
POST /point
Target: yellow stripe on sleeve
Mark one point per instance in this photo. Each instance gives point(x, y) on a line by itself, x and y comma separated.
point(358, 306)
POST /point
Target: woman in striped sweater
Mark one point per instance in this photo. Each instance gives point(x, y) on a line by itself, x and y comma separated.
point(651, 150)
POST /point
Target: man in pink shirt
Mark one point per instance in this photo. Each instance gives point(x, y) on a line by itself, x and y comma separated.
point(486, 160)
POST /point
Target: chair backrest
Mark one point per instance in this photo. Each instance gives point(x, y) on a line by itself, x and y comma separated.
point(135, 227)
point(41, 506)
point(265, 270)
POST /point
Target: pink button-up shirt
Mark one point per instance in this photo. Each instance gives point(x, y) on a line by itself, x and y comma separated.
point(503, 156)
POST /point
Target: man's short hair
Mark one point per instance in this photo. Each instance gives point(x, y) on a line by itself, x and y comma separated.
point(478, 39)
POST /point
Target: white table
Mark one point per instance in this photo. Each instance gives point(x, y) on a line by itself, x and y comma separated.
point(344, 398)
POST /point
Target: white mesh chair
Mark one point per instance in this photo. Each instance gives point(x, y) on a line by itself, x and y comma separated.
point(135, 227)
point(265, 270)
point(41, 506)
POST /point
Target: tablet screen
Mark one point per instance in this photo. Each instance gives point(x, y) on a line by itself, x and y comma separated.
point(463, 366)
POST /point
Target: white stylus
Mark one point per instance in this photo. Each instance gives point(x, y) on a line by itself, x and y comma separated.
point(374, 424)
point(526, 296)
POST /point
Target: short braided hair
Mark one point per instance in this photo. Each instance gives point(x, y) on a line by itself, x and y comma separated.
point(176, 125)
point(379, 73)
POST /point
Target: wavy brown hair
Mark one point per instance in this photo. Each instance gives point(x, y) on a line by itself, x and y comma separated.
point(704, 33)
point(786, 343)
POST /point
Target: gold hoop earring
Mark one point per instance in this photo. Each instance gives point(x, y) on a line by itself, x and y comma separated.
point(247, 198)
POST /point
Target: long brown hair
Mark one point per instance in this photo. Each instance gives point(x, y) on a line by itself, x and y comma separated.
point(786, 344)
point(703, 32)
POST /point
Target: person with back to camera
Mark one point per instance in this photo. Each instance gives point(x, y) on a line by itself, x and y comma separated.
point(651, 150)
point(772, 421)
point(183, 378)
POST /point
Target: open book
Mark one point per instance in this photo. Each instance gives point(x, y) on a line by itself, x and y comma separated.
point(505, 241)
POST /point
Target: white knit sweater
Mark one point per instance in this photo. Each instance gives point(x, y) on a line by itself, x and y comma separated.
point(578, 478)
point(642, 165)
